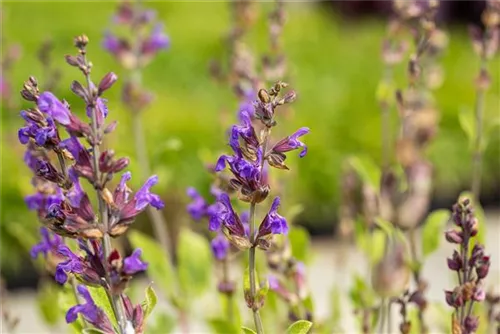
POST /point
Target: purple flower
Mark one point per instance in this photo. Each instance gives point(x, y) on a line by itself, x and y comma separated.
point(133, 263)
point(144, 197)
point(292, 143)
point(273, 222)
point(246, 108)
point(198, 207)
point(157, 41)
point(76, 193)
point(101, 108)
point(49, 104)
point(83, 166)
point(42, 201)
point(73, 264)
point(224, 215)
point(245, 172)
point(90, 311)
point(47, 244)
point(246, 131)
point(111, 43)
point(42, 134)
point(128, 209)
point(220, 246)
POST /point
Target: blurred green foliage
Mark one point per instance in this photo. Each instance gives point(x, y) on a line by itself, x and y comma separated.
point(334, 65)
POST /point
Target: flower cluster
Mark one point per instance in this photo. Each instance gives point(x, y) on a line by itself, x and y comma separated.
point(471, 267)
point(135, 53)
point(61, 202)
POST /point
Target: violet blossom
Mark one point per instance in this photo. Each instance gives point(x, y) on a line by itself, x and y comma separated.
point(49, 244)
point(133, 264)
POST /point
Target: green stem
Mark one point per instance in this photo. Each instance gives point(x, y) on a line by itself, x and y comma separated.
point(382, 316)
point(251, 263)
point(477, 154)
point(228, 294)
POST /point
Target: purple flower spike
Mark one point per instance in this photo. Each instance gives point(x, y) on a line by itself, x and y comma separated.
point(47, 244)
point(273, 222)
point(133, 263)
point(73, 264)
point(144, 197)
point(292, 143)
point(76, 193)
point(49, 104)
point(90, 311)
point(220, 247)
point(198, 207)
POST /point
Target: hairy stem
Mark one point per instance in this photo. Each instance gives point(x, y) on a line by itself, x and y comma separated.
point(251, 265)
point(477, 154)
point(115, 300)
point(382, 316)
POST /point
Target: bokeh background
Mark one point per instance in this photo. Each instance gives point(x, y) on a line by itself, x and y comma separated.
point(333, 52)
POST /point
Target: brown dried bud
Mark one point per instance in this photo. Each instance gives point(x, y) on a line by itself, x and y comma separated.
point(264, 96)
point(28, 96)
point(261, 194)
point(118, 229)
point(81, 41)
point(468, 291)
point(276, 160)
point(107, 196)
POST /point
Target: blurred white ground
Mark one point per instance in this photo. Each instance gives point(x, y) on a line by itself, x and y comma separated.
point(332, 265)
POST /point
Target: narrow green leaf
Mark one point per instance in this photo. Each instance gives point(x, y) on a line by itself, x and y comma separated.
point(150, 302)
point(247, 330)
point(222, 326)
point(433, 229)
point(299, 327)
point(375, 248)
point(300, 242)
point(47, 293)
point(386, 226)
point(467, 122)
point(159, 266)
point(101, 299)
point(194, 263)
point(367, 170)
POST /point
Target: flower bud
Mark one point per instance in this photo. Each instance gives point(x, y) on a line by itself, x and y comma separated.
point(106, 82)
point(479, 294)
point(264, 96)
point(81, 41)
point(454, 237)
point(72, 60)
point(79, 90)
point(471, 324)
point(456, 262)
point(454, 298)
point(482, 270)
point(111, 127)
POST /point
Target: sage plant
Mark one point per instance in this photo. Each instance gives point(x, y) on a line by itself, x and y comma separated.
point(134, 51)
point(246, 164)
point(471, 267)
point(64, 207)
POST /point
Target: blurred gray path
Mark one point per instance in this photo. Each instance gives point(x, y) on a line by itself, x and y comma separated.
point(332, 265)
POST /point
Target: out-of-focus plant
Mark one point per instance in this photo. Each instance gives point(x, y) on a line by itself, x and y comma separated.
point(10, 55)
point(471, 266)
point(65, 209)
point(399, 193)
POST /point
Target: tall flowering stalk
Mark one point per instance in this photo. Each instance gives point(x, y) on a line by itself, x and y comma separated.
point(135, 51)
point(247, 165)
point(471, 266)
point(64, 207)
point(485, 43)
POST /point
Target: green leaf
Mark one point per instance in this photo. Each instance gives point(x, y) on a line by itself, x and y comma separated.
point(247, 330)
point(386, 226)
point(361, 294)
point(194, 262)
point(467, 122)
point(432, 230)
point(299, 327)
point(164, 323)
point(101, 299)
point(300, 242)
point(47, 294)
point(222, 326)
point(367, 170)
point(376, 246)
point(159, 266)
point(150, 302)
